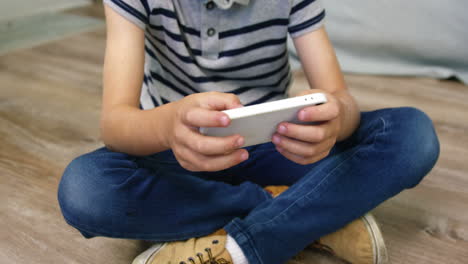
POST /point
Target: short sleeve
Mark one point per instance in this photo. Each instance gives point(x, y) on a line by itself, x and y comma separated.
point(137, 11)
point(305, 16)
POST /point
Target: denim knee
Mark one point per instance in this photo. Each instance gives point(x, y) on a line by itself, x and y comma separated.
point(85, 194)
point(415, 144)
point(73, 191)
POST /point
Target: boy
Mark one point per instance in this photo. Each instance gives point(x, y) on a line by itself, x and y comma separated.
point(173, 66)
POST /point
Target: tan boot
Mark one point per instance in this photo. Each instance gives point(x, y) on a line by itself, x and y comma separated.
point(359, 242)
point(276, 190)
point(209, 249)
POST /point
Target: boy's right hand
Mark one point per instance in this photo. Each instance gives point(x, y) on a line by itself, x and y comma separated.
point(197, 152)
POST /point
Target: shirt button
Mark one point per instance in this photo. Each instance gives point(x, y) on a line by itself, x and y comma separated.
point(210, 32)
point(210, 5)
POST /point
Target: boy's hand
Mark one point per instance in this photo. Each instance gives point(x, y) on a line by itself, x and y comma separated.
point(306, 144)
point(194, 151)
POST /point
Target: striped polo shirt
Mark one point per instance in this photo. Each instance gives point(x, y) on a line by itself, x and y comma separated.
point(232, 46)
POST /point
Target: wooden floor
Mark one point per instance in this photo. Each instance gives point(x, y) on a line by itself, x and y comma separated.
point(49, 112)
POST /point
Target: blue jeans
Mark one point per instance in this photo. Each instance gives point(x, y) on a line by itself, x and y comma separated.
point(105, 193)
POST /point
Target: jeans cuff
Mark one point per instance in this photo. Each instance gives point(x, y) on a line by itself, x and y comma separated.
point(243, 239)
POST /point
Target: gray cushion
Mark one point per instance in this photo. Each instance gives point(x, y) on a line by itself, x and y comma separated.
point(399, 37)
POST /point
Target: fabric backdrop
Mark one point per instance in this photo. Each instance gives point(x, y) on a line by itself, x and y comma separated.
point(399, 37)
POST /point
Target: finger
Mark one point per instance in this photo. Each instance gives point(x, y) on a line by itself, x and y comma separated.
point(317, 113)
point(213, 145)
point(301, 148)
point(220, 101)
point(200, 117)
point(181, 153)
point(297, 147)
point(299, 159)
point(292, 157)
point(219, 162)
point(307, 133)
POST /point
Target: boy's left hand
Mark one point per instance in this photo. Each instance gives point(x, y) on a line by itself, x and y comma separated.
point(306, 144)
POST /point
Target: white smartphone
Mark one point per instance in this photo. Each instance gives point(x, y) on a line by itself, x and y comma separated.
point(257, 123)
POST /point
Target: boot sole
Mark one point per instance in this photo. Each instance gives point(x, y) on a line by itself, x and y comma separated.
point(378, 243)
point(145, 257)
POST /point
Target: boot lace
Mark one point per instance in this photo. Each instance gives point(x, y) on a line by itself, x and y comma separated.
point(211, 260)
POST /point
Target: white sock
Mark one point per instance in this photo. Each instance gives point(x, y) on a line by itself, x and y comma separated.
point(235, 251)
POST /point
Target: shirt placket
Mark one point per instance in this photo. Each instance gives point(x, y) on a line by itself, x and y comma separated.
point(210, 30)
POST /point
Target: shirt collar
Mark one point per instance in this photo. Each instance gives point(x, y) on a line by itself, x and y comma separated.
point(226, 4)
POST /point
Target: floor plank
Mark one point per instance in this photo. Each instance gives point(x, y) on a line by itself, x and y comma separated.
point(11, 10)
